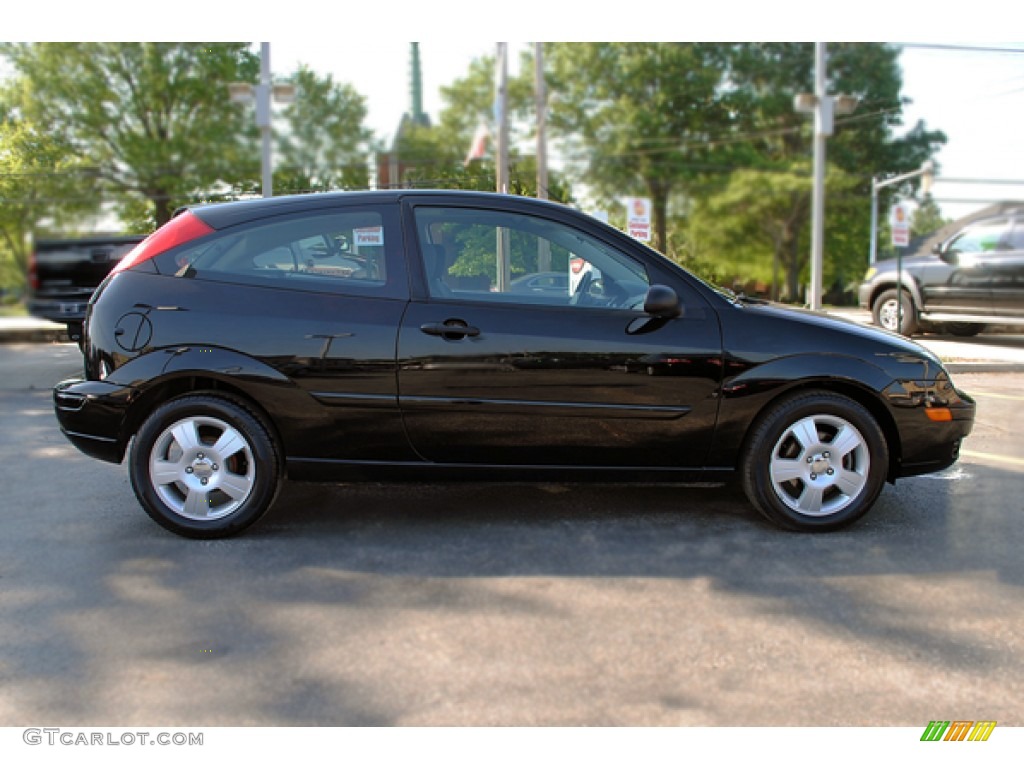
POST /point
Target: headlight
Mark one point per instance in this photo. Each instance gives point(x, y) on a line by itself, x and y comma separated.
point(872, 271)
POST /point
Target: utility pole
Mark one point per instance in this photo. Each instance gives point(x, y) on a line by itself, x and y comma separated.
point(822, 129)
point(825, 108)
point(503, 249)
point(263, 91)
point(541, 101)
point(501, 115)
point(543, 246)
point(261, 95)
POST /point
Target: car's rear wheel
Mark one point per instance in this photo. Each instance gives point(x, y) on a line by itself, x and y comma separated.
point(885, 311)
point(815, 462)
point(204, 466)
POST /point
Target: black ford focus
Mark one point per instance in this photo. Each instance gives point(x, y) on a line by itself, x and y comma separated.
point(384, 335)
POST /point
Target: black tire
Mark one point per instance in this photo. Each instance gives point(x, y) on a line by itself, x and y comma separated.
point(204, 466)
point(965, 329)
point(884, 313)
point(789, 474)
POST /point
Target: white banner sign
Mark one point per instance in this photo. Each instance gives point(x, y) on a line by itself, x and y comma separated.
point(638, 218)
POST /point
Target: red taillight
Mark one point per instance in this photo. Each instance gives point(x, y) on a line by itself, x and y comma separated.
point(33, 271)
point(178, 230)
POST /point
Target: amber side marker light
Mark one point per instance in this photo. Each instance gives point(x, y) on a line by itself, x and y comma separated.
point(939, 414)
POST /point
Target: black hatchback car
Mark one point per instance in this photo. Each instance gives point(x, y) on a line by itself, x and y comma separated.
point(380, 335)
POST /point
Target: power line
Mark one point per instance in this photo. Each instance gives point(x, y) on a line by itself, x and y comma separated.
point(964, 48)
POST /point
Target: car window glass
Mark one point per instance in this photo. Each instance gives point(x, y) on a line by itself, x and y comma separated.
point(1017, 237)
point(505, 257)
point(337, 251)
point(983, 237)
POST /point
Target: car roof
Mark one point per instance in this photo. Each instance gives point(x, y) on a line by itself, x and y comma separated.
point(220, 215)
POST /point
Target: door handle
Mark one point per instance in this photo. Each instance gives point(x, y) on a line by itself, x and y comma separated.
point(452, 330)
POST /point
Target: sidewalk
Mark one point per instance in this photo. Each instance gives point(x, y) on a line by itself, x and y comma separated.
point(986, 353)
point(20, 330)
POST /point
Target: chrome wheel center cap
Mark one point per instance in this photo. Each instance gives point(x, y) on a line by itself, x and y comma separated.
point(820, 465)
point(203, 469)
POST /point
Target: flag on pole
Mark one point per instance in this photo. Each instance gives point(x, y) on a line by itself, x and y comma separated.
point(478, 147)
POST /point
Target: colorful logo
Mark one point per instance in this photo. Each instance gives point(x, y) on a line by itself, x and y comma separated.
point(958, 730)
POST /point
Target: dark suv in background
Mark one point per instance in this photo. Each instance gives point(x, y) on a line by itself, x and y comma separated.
point(970, 280)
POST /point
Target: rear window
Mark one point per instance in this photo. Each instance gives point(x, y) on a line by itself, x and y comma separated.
point(339, 251)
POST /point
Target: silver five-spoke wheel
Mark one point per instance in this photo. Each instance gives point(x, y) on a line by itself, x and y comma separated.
point(820, 465)
point(814, 461)
point(205, 465)
point(202, 468)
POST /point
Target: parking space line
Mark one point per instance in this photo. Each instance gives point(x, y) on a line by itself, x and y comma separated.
point(996, 395)
point(993, 457)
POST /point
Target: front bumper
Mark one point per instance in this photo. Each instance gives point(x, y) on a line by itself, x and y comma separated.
point(864, 295)
point(91, 415)
point(933, 418)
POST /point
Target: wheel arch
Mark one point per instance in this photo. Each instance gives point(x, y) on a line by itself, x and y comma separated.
point(909, 285)
point(184, 383)
point(872, 401)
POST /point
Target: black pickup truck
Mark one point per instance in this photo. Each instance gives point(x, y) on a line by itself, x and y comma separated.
point(63, 274)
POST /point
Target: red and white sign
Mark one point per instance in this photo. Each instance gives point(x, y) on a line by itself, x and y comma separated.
point(899, 221)
point(369, 236)
point(638, 218)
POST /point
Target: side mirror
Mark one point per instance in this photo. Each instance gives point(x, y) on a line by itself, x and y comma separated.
point(661, 301)
point(948, 255)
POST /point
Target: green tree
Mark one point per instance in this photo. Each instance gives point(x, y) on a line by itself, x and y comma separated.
point(437, 154)
point(42, 183)
point(640, 116)
point(153, 119)
point(927, 218)
point(325, 144)
point(772, 149)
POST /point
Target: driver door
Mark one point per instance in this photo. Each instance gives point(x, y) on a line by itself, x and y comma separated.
point(493, 374)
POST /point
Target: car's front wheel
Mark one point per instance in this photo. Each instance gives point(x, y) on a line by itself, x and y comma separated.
point(815, 462)
point(204, 466)
point(886, 313)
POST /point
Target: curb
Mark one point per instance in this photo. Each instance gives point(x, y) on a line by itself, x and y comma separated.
point(984, 366)
point(43, 333)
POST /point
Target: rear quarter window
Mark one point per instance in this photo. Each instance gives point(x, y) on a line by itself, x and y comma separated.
point(348, 251)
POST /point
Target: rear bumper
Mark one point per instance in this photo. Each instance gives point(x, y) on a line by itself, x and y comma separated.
point(91, 416)
point(59, 311)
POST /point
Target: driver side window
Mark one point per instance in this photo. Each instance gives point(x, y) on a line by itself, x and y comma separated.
point(498, 257)
point(983, 238)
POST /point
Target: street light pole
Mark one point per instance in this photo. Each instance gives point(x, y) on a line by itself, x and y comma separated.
point(825, 108)
point(261, 95)
point(927, 170)
point(263, 119)
point(822, 129)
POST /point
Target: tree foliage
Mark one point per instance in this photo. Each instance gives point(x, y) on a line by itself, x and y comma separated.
point(42, 182)
point(708, 132)
point(437, 154)
point(152, 119)
point(642, 116)
point(325, 143)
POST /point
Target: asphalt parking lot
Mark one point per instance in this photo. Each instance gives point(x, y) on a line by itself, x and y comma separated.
point(475, 604)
